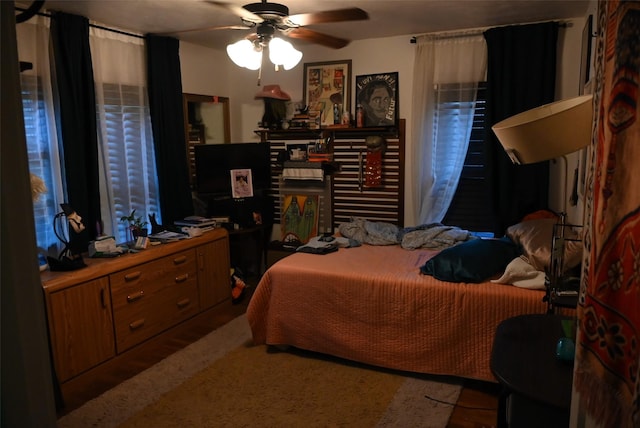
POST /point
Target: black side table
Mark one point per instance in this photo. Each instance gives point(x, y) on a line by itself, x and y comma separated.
point(249, 249)
point(536, 385)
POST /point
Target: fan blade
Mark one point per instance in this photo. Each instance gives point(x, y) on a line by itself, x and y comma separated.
point(203, 29)
point(237, 10)
point(316, 37)
point(338, 15)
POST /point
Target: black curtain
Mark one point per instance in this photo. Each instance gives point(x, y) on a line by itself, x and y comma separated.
point(77, 101)
point(167, 120)
point(521, 75)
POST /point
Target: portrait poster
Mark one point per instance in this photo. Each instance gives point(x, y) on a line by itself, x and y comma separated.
point(378, 96)
point(327, 90)
point(241, 183)
point(300, 217)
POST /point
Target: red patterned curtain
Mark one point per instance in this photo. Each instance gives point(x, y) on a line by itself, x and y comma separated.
point(608, 352)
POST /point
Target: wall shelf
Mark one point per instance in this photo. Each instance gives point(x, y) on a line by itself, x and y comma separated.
point(337, 133)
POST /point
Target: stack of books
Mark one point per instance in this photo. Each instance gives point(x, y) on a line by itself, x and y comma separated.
point(300, 121)
point(196, 221)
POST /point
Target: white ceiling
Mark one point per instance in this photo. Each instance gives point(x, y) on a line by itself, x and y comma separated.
point(386, 17)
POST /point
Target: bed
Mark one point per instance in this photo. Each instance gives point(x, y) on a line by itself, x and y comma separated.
point(372, 304)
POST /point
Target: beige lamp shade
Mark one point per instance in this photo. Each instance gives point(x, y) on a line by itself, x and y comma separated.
point(547, 132)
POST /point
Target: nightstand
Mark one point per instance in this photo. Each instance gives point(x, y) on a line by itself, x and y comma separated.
point(248, 247)
point(278, 251)
point(536, 384)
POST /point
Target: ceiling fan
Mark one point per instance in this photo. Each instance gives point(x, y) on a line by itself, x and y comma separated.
point(269, 19)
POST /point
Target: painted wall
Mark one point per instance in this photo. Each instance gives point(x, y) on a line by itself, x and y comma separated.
point(392, 54)
point(568, 86)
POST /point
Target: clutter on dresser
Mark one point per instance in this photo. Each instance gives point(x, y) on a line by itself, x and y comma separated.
point(104, 246)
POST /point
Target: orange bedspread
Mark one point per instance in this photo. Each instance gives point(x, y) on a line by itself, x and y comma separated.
point(371, 304)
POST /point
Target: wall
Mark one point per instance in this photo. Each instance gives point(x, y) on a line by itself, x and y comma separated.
point(567, 86)
point(389, 55)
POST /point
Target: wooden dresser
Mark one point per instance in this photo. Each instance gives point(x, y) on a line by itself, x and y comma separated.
point(106, 315)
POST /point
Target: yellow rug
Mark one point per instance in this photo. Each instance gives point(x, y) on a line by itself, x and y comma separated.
point(251, 387)
point(224, 381)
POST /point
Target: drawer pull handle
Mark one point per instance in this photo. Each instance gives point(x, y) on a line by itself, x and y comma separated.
point(182, 278)
point(133, 297)
point(136, 324)
point(179, 260)
point(184, 302)
point(132, 276)
point(103, 302)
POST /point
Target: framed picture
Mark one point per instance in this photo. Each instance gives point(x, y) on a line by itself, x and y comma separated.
point(378, 96)
point(327, 90)
point(241, 183)
point(300, 217)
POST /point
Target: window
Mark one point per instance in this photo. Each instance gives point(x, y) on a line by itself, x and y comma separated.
point(471, 207)
point(128, 156)
point(127, 165)
point(40, 160)
point(128, 179)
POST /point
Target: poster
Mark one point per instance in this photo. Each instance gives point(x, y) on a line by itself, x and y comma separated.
point(378, 96)
point(300, 218)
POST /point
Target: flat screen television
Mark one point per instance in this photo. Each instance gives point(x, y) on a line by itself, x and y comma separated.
point(214, 163)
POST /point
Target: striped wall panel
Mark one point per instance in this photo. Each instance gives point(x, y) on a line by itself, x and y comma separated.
point(349, 196)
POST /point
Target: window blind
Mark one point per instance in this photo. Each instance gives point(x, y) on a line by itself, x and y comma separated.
point(37, 136)
point(470, 208)
point(129, 164)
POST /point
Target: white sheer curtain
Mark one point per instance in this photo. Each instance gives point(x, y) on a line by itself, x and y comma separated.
point(40, 127)
point(128, 174)
point(442, 125)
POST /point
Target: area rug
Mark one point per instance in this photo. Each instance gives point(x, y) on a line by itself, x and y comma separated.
point(224, 381)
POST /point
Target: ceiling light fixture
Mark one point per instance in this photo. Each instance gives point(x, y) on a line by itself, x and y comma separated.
point(248, 54)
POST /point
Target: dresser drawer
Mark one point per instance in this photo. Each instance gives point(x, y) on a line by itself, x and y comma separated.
point(152, 297)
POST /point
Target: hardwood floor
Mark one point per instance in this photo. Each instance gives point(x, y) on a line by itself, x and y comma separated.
point(476, 407)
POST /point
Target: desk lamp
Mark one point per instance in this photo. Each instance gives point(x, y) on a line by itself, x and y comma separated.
point(68, 259)
point(544, 133)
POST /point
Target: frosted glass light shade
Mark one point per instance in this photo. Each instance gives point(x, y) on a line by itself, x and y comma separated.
point(283, 53)
point(547, 132)
point(244, 54)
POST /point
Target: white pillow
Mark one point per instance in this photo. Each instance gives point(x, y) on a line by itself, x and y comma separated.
point(534, 237)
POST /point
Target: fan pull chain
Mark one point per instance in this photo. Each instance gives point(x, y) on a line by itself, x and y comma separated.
point(260, 69)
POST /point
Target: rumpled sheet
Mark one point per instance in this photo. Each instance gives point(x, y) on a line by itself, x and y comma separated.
point(521, 274)
point(371, 304)
point(434, 236)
